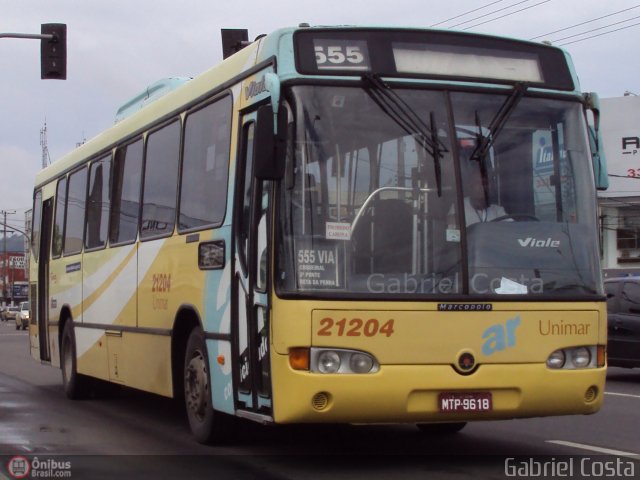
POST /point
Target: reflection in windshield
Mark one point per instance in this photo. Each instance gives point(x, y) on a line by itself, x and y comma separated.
point(384, 195)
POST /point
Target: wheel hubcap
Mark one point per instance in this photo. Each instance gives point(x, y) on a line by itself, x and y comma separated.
point(196, 386)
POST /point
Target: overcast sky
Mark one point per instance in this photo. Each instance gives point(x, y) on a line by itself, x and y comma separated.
point(118, 47)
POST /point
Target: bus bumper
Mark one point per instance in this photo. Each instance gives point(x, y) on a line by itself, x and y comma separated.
point(410, 393)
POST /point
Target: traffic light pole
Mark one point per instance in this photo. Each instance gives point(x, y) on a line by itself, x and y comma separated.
point(29, 36)
point(53, 49)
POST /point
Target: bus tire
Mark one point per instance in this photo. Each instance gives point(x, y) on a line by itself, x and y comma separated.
point(441, 428)
point(76, 386)
point(207, 425)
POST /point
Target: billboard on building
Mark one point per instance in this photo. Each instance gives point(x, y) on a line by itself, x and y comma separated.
point(620, 127)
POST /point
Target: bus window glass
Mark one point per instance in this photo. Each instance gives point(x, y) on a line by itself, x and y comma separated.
point(374, 205)
point(244, 219)
point(372, 189)
point(99, 201)
point(531, 216)
point(58, 226)
point(127, 172)
point(205, 166)
point(160, 182)
point(262, 232)
point(76, 201)
point(36, 225)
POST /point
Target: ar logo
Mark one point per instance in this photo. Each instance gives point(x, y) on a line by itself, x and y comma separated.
point(500, 337)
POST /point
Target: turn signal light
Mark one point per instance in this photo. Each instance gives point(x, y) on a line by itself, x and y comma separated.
point(299, 358)
point(602, 355)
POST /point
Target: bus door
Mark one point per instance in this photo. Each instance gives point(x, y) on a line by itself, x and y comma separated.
point(42, 307)
point(250, 300)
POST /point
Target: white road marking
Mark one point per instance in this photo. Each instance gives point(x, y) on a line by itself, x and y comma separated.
point(622, 394)
point(593, 448)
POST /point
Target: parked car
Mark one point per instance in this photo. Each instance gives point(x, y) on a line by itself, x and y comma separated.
point(10, 313)
point(623, 308)
point(22, 316)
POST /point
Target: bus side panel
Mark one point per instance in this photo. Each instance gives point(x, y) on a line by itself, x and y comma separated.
point(147, 362)
point(159, 278)
point(148, 353)
point(217, 288)
point(217, 320)
point(65, 292)
point(106, 295)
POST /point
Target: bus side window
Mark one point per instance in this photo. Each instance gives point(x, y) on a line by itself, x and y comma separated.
point(36, 225)
point(98, 203)
point(261, 277)
point(127, 170)
point(244, 219)
point(58, 226)
point(160, 182)
point(74, 222)
point(205, 166)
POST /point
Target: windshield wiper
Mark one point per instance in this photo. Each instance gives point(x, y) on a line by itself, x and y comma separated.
point(484, 143)
point(495, 127)
point(396, 108)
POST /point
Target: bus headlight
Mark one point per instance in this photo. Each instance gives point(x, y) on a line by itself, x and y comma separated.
point(337, 360)
point(556, 359)
point(361, 363)
point(580, 357)
point(329, 362)
point(575, 358)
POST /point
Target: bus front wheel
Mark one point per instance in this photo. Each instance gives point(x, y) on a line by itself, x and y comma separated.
point(207, 425)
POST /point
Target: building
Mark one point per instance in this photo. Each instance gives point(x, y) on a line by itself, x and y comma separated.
point(14, 285)
point(620, 204)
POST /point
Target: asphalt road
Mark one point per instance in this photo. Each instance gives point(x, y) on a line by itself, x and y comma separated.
point(129, 434)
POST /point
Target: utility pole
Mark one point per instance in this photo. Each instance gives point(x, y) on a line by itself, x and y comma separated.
point(4, 262)
point(43, 144)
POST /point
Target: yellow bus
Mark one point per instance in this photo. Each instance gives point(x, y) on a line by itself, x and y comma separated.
point(335, 225)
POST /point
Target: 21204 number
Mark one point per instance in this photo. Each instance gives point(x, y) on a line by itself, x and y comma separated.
point(355, 327)
point(161, 282)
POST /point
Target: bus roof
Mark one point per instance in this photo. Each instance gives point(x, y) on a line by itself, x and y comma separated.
point(285, 45)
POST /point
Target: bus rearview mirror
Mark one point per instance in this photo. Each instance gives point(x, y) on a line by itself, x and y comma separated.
point(269, 147)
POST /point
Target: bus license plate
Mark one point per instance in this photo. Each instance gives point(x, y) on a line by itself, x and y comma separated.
point(465, 402)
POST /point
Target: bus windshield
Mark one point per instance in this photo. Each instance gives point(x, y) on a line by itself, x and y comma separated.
point(415, 192)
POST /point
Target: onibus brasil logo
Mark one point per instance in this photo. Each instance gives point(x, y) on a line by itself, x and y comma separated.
point(21, 467)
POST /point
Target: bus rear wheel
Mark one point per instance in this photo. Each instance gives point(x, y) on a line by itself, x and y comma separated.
point(206, 425)
point(76, 386)
point(441, 428)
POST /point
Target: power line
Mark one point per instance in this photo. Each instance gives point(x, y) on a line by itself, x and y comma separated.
point(466, 13)
point(584, 23)
point(600, 34)
point(490, 13)
point(595, 29)
point(507, 14)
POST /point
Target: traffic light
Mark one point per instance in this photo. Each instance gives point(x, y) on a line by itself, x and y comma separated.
point(233, 40)
point(53, 52)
